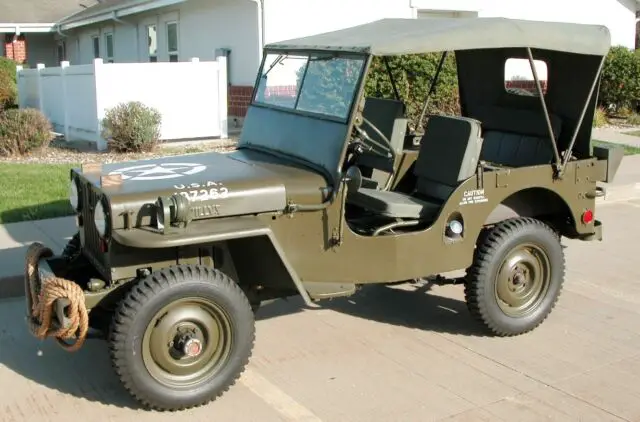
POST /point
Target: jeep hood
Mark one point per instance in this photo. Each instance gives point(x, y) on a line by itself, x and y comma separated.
point(216, 184)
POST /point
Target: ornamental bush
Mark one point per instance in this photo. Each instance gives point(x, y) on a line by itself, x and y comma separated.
point(620, 83)
point(23, 131)
point(132, 127)
point(8, 86)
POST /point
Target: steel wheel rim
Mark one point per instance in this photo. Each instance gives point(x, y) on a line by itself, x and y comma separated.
point(523, 280)
point(176, 328)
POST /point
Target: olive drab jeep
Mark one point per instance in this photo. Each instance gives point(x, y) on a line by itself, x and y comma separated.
point(329, 190)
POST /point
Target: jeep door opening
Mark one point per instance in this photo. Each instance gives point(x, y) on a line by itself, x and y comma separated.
point(327, 191)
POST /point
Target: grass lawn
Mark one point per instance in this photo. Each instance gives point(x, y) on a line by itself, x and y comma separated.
point(633, 133)
point(34, 191)
point(628, 149)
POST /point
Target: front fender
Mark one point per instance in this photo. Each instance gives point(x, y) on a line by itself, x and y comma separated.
point(210, 231)
point(197, 232)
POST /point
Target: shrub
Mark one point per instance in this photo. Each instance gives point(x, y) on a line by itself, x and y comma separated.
point(23, 131)
point(412, 75)
point(634, 119)
point(600, 117)
point(132, 127)
point(9, 67)
point(8, 91)
point(620, 84)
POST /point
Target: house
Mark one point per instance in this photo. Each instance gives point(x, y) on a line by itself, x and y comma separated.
point(177, 30)
point(28, 32)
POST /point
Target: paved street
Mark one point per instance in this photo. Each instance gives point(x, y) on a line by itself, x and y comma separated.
point(387, 354)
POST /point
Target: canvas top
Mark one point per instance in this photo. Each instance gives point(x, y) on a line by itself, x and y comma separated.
point(387, 37)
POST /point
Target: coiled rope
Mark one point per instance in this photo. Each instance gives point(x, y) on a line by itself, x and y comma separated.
point(42, 297)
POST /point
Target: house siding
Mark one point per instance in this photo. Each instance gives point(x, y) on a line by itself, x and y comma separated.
point(41, 48)
point(205, 26)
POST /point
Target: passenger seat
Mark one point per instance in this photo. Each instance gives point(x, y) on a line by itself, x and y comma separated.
point(449, 152)
point(516, 138)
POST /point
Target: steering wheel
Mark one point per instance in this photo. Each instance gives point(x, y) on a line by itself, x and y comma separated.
point(387, 150)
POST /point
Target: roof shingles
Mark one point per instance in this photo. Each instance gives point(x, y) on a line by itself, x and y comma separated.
point(42, 11)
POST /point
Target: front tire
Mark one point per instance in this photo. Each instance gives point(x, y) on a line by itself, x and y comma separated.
point(181, 337)
point(516, 277)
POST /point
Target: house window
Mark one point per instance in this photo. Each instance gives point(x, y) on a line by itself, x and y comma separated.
point(62, 51)
point(519, 80)
point(152, 41)
point(96, 47)
point(172, 41)
point(108, 46)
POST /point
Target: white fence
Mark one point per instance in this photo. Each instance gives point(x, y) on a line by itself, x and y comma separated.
point(191, 96)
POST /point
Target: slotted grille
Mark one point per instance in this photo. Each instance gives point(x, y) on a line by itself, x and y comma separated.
point(91, 239)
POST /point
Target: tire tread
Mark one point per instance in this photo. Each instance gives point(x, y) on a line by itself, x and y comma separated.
point(487, 247)
point(144, 290)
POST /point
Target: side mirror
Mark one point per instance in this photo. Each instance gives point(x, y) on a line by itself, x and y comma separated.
point(353, 178)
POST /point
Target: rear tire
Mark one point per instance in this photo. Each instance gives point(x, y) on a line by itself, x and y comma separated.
point(181, 337)
point(516, 277)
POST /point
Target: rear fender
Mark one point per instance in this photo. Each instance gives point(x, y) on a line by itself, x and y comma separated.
point(536, 203)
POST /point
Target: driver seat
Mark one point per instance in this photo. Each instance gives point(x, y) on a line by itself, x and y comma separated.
point(449, 153)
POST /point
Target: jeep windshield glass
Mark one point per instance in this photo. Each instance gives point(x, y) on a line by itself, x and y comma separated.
point(316, 84)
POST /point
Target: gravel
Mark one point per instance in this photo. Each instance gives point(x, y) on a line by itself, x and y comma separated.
point(60, 153)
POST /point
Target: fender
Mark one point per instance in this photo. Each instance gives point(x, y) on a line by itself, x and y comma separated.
point(530, 202)
point(211, 231)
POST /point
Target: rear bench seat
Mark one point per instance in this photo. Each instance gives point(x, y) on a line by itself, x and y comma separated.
point(516, 138)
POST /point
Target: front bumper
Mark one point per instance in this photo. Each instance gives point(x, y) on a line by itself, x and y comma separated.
point(47, 307)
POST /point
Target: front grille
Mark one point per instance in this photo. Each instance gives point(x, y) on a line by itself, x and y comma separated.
point(89, 233)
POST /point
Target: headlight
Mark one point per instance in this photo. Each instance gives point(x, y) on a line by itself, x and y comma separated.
point(73, 194)
point(99, 218)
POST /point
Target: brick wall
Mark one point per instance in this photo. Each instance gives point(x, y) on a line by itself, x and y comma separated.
point(239, 99)
point(240, 96)
point(15, 50)
point(526, 85)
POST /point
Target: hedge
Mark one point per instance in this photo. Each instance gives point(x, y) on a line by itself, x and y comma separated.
point(413, 75)
point(620, 83)
point(8, 86)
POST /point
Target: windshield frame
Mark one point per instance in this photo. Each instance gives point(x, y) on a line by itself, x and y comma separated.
point(309, 52)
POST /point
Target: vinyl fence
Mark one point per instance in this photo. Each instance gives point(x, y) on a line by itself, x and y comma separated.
point(191, 96)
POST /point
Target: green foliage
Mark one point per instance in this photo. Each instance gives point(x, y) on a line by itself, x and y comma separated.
point(8, 91)
point(600, 118)
point(413, 75)
point(633, 119)
point(8, 87)
point(132, 127)
point(9, 67)
point(620, 84)
point(329, 85)
point(23, 131)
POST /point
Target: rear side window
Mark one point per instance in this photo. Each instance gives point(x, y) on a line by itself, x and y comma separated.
point(519, 80)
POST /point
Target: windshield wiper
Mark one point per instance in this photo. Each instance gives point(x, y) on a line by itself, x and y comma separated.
point(278, 60)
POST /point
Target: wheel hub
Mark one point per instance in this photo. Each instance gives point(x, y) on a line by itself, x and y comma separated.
point(522, 280)
point(186, 342)
point(192, 347)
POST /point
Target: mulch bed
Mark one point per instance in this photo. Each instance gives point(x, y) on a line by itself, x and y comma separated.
point(60, 153)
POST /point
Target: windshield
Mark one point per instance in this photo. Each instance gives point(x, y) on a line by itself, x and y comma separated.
point(318, 84)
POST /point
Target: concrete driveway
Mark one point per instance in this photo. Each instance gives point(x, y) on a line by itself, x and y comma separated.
point(407, 353)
